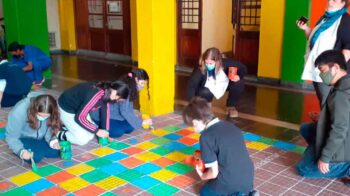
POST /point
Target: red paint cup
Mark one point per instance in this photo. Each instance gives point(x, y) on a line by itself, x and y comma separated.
point(232, 72)
point(198, 160)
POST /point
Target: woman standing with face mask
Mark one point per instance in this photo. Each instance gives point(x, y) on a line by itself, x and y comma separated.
point(31, 125)
point(123, 118)
point(210, 80)
point(331, 32)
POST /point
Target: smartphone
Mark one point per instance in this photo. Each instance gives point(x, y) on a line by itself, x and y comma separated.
point(303, 19)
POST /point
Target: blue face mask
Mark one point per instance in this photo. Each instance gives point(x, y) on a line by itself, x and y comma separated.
point(40, 118)
point(139, 87)
point(210, 67)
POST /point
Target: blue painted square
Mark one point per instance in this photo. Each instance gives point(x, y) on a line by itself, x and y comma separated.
point(2, 136)
point(145, 182)
point(174, 146)
point(114, 168)
point(38, 186)
point(133, 141)
point(196, 146)
point(116, 156)
point(251, 137)
point(284, 145)
point(173, 136)
point(148, 168)
point(183, 125)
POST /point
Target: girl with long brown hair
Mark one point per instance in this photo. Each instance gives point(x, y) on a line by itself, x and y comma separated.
point(32, 126)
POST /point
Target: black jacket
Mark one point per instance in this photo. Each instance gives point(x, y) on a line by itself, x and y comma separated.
point(17, 81)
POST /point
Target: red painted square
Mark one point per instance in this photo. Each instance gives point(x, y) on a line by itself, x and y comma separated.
point(163, 162)
point(89, 190)
point(185, 132)
point(60, 177)
point(53, 191)
point(2, 124)
point(131, 162)
point(132, 150)
point(182, 181)
point(188, 141)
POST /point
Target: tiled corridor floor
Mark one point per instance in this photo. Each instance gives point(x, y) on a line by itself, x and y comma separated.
point(152, 162)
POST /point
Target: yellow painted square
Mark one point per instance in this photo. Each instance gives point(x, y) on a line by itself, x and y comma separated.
point(257, 145)
point(159, 132)
point(79, 169)
point(110, 183)
point(25, 178)
point(74, 184)
point(103, 151)
point(147, 145)
point(148, 156)
point(163, 175)
point(195, 136)
point(176, 156)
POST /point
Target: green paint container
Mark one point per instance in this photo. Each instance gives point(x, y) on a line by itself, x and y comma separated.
point(66, 150)
point(103, 141)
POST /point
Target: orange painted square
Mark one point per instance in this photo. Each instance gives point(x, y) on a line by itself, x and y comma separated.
point(60, 177)
point(131, 162)
point(132, 150)
point(182, 181)
point(188, 141)
point(247, 141)
point(53, 191)
point(2, 123)
point(89, 190)
point(163, 162)
point(4, 186)
point(185, 132)
point(147, 136)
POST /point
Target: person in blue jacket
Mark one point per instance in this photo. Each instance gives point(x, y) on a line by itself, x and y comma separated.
point(31, 127)
point(31, 59)
point(123, 117)
point(14, 83)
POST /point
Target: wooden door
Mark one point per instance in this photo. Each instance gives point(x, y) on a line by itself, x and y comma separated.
point(103, 25)
point(246, 19)
point(189, 28)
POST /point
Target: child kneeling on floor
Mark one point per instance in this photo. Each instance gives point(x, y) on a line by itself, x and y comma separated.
point(228, 166)
point(31, 127)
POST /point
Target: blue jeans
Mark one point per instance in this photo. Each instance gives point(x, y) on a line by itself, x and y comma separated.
point(118, 128)
point(38, 67)
point(40, 148)
point(206, 190)
point(307, 166)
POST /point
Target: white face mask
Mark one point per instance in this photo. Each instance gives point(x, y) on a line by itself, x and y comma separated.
point(41, 118)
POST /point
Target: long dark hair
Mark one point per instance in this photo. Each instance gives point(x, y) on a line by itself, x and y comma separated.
point(120, 86)
point(44, 104)
point(130, 79)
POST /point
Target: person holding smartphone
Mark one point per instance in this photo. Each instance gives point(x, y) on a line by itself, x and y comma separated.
point(331, 32)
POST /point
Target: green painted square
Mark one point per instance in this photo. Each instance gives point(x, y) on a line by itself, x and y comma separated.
point(160, 141)
point(172, 128)
point(161, 151)
point(16, 192)
point(299, 149)
point(47, 170)
point(189, 150)
point(99, 162)
point(2, 130)
point(130, 175)
point(118, 145)
point(94, 176)
point(179, 168)
point(108, 194)
point(163, 190)
point(267, 141)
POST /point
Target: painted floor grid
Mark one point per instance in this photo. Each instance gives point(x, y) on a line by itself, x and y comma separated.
point(153, 163)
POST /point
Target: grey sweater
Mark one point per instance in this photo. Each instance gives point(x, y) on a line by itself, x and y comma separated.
point(17, 127)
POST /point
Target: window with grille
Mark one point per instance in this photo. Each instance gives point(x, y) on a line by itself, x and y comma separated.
point(52, 39)
point(190, 14)
point(250, 12)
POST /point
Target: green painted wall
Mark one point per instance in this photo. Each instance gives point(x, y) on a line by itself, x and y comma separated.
point(294, 41)
point(26, 22)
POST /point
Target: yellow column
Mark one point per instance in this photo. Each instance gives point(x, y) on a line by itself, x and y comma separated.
point(67, 26)
point(156, 35)
point(271, 32)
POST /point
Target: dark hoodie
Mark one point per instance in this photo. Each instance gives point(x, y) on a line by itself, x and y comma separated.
point(333, 127)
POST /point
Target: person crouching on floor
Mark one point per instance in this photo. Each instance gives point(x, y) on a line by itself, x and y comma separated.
point(228, 166)
point(31, 127)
